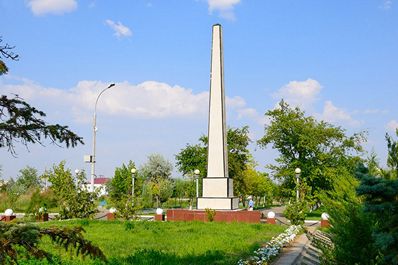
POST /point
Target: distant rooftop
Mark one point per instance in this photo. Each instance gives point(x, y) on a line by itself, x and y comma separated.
point(100, 180)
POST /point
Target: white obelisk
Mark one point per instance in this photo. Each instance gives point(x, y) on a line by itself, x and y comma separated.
point(217, 186)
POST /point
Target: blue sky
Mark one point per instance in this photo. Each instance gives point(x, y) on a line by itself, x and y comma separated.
point(335, 59)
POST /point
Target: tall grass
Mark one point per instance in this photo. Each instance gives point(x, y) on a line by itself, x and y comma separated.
point(170, 242)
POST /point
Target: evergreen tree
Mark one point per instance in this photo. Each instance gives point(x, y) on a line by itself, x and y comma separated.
point(381, 203)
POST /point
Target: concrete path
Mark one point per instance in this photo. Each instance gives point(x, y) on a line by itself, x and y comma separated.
point(298, 251)
point(291, 254)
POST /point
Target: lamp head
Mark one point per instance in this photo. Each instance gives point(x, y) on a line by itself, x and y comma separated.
point(133, 170)
point(297, 170)
point(196, 171)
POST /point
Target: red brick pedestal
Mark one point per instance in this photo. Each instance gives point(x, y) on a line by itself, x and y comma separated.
point(159, 217)
point(271, 221)
point(6, 218)
point(325, 223)
point(243, 216)
point(110, 216)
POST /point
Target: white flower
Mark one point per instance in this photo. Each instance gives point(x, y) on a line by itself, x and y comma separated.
point(273, 247)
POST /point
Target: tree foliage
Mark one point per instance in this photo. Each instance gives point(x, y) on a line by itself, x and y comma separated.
point(258, 185)
point(28, 178)
point(195, 157)
point(120, 191)
point(18, 241)
point(321, 150)
point(392, 156)
point(20, 122)
point(121, 183)
point(157, 171)
point(23, 123)
point(6, 53)
point(351, 228)
point(74, 200)
point(156, 168)
point(364, 217)
point(381, 204)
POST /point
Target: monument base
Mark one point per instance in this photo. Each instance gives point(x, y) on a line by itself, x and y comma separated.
point(216, 203)
point(218, 187)
point(242, 216)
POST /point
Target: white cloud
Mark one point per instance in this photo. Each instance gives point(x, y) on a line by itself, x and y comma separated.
point(224, 7)
point(119, 29)
point(387, 4)
point(372, 111)
point(252, 114)
point(333, 114)
point(299, 93)
point(235, 102)
point(392, 125)
point(239, 105)
point(57, 7)
point(149, 99)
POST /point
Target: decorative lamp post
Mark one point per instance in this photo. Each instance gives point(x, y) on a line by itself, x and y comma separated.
point(93, 158)
point(298, 172)
point(271, 217)
point(325, 220)
point(77, 172)
point(133, 171)
point(8, 215)
point(196, 173)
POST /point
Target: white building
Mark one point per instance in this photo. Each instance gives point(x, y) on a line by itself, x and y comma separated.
point(99, 185)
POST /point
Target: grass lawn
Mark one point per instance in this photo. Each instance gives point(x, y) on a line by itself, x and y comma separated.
point(315, 215)
point(169, 242)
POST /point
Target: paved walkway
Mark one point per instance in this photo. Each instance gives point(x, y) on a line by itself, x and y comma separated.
point(291, 255)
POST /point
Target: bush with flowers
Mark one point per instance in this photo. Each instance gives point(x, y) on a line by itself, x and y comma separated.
point(265, 254)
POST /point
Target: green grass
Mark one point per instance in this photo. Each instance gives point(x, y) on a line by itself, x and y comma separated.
point(315, 215)
point(169, 242)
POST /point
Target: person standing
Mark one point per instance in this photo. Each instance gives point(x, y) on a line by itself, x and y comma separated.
point(251, 203)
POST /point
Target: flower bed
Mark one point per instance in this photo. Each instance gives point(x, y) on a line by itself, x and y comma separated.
point(272, 248)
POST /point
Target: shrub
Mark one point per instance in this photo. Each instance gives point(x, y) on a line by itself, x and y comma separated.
point(72, 197)
point(24, 240)
point(296, 212)
point(210, 213)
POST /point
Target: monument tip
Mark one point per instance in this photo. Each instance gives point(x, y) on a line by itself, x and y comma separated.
point(217, 25)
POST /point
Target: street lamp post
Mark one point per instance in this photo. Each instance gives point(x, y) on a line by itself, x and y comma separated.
point(196, 173)
point(298, 172)
point(93, 158)
point(77, 172)
point(133, 171)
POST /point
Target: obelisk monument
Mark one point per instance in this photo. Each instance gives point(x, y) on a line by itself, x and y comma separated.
point(217, 186)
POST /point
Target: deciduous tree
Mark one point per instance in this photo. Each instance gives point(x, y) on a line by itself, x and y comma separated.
point(157, 172)
point(195, 157)
point(28, 178)
point(322, 150)
point(74, 199)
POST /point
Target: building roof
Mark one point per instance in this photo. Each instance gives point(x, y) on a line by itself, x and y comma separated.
point(100, 180)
